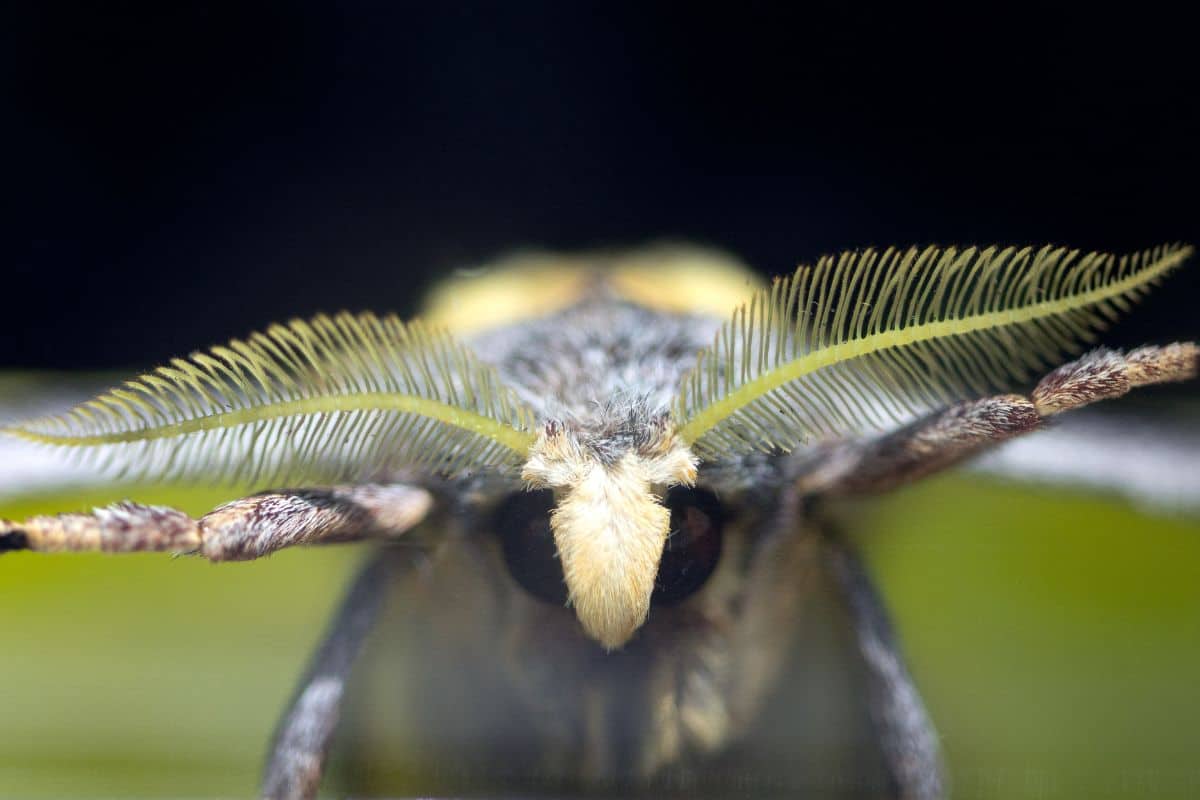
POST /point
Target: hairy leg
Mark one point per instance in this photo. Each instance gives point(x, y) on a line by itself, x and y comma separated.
point(301, 742)
point(906, 736)
point(241, 530)
point(947, 437)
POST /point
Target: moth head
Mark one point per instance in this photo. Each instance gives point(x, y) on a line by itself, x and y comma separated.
point(609, 523)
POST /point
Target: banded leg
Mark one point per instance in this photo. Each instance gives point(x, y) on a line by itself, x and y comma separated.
point(947, 437)
point(244, 529)
point(301, 741)
point(905, 734)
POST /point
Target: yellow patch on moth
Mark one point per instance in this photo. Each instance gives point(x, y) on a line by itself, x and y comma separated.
point(663, 277)
point(609, 527)
point(513, 290)
point(684, 280)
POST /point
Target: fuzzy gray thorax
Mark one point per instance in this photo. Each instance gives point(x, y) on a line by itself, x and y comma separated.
point(599, 361)
point(608, 370)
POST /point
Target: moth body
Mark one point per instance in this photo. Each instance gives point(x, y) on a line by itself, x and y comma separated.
point(613, 680)
point(631, 473)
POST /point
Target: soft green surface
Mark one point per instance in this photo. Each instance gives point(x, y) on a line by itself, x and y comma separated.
point(1057, 643)
point(147, 675)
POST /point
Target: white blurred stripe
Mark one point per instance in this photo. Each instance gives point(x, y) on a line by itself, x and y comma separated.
point(1153, 463)
point(26, 467)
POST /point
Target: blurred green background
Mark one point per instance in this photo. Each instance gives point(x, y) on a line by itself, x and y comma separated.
point(1056, 639)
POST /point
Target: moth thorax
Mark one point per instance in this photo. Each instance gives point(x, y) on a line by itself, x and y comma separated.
point(609, 524)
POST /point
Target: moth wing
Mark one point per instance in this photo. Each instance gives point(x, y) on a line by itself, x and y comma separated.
point(666, 277)
point(26, 468)
point(1151, 461)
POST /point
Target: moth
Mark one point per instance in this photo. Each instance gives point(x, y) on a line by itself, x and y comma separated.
point(636, 477)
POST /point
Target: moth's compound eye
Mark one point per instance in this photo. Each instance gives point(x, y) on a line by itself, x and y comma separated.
point(693, 547)
point(523, 524)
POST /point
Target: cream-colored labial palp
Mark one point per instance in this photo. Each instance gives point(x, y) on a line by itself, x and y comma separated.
point(609, 524)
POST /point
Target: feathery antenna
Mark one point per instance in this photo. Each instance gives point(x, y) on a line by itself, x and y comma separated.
point(870, 337)
point(333, 398)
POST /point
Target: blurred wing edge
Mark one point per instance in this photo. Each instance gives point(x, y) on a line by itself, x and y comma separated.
point(1151, 463)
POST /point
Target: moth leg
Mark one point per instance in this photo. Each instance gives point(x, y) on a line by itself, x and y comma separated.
point(947, 437)
point(302, 737)
point(906, 736)
point(244, 529)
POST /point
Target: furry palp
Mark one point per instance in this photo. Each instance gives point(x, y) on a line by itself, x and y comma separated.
point(609, 524)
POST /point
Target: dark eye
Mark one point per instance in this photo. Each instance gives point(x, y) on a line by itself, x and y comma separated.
point(693, 547)
point(523, 524)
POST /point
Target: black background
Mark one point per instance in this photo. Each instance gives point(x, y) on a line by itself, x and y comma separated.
point(180, 173)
